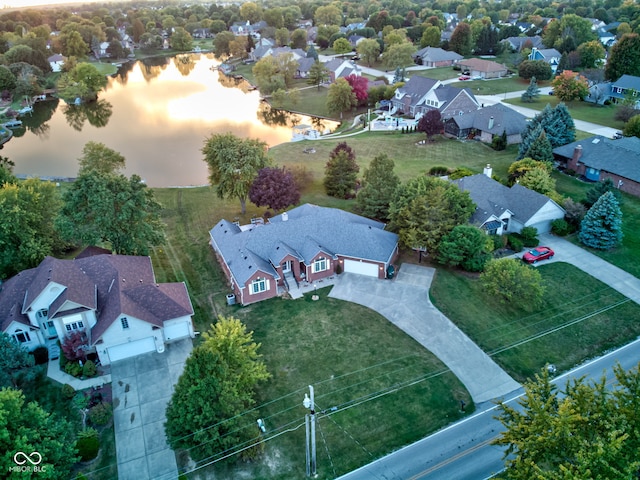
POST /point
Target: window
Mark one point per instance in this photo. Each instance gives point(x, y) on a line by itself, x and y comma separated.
point(74, 326)
point(43, 313)
point(258, 285)
point(21, 337)
point(124, 322)
point(320, 265)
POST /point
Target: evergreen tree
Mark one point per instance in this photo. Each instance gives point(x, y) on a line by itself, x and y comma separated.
point(312, 53)
point(599, 189)
point(532, 92)
point(561, 129)
point(601, 227)
point(529, 135)
point(541, 149)
point(379, 184)
point(563, 64)
point(341, 172)
point(398, 75)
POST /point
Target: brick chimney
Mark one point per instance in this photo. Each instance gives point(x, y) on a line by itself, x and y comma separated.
point(577, 153)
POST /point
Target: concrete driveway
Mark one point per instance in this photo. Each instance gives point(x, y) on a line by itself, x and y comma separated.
point(405, 302)
point(142, 387)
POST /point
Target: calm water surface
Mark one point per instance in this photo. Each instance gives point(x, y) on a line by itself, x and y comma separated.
point(157, 114)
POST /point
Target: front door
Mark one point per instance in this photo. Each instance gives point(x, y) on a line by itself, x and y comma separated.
point(286, 266)
point(51, 330)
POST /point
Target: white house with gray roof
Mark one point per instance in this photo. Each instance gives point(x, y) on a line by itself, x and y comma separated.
point(299, 247)
point(501, 209)
point(421, 94)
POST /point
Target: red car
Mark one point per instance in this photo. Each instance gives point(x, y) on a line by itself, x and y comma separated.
point(464, 77)
point(538, 253)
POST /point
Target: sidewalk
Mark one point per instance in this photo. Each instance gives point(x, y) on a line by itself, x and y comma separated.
point(54, 373)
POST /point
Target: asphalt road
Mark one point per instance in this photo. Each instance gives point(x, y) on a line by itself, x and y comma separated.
point(463, 450)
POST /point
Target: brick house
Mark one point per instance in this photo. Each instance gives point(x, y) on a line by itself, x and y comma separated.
point(421, 94)
point(487, 122)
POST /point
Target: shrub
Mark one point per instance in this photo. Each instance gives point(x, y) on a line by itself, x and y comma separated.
point(101, 414)
point(88, 444)
point(68, 391)
point(529, 236)
point(338, 268)
point(73, 368)
point(40, 355)
point(459, 173)
point(571, 172)
point(515, 243)
point(89, 369)
point(438, 170)
point(560, 227)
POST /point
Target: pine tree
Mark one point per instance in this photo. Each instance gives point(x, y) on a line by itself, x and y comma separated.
point(561, 130)
point(601, 227)
point(532, 92)
point(541, 149)
point(529, 135)
point(341, 172)
point(398, 76)
point(379, 184)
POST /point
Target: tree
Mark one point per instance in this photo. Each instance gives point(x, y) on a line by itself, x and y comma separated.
point(328, 15)
point(299, 38)
point(28, 428)
point(341, 97)
point(341, 172)
point(539, 180)
point(430, 37)
point(75, 345)
point(282, 37)
point(461, 40)
point(532, 92)
point(210, 409)
point(27, 232)
point(431, 123)
point(318, 74)
point(426, 209)
point(250, 12)
point(582, 432)
point(312, 53)
point(601, 228)
point(98, 157)
point(466, 246)
point(541, 149)
point(275, 188)
point(599, 189)
point(561, 129)
point(510, 280)
point(624, 58)
point(234, 164)
point(399, 55)
point(83, 81)
point(591, 54)
point(13, 358)
point(520, 167)
point(221, 43)
point(369, 50)
point(535, 68)
point(359, 87)
point(531, 133)
point(73, 45)
point(7, 79)
point(137, 29)
point(342, 46)
point(632, 127)
point(570, 86)
point(379, 184)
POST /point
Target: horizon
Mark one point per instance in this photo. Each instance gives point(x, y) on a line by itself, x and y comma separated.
point(13, 4)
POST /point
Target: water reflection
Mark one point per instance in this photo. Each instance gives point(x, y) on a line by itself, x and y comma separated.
point(156, 113)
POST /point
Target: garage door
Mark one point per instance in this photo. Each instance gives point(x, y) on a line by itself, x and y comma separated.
point(362, 268)
point(176, 331)
point(131, 349)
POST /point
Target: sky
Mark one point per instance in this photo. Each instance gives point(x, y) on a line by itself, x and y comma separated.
point(34, 3)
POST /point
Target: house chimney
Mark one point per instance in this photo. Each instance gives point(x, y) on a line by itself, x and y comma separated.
point(577, 153)
point(491, 122)
point(285, 216)
point(488, 171)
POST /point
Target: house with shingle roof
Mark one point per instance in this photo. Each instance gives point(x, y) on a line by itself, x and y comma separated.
point(548, 55)
point(598, 158)
point(436, 57)
point(487, 122)
point(301, 246)
point(340, 68)
point(625, 85)
point(516, 44)
point(114, 299)
point(501, 209)
point(421, 94)
point(483, 68)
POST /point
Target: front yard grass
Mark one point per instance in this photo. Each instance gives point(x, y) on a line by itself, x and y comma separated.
point(496, 86)
point(604, 318)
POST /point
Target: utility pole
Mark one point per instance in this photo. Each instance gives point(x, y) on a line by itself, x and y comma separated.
point(310, 418)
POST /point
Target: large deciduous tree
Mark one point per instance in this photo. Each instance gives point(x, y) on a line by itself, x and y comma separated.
point(26, 427)
point(535, 68)
point(466, 246)
point(341, 97)
point(84, 81)
point(209, 411)
point(275, 188)
point(369, 50)
point(570, 86)
point(98, 157)
point(359, 87)
point(632, 127)
point(342, 46)
point(379, 184)
point(181, 40)
point(586, 431)
point(234, 164)
point(509, 280)
point(341, 172)
point(624, 58)
point(461, 39)
point(601, 227)
point(591, 54)
point(274, 72)
point(431, 37)
point(398, 55)
point(426, 209)
point(431, 123)
point(13, 358)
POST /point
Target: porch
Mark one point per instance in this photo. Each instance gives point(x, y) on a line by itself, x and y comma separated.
point(297, 288)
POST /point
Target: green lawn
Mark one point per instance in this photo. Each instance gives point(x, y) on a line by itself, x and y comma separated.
point(604, 319)
point(440, 73)
point(495, 86)
point(585, 111)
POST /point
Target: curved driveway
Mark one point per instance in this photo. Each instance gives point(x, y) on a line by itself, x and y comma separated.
point(405, 303)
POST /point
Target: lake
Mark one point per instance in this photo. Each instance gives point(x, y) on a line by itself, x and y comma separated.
point(157, 113)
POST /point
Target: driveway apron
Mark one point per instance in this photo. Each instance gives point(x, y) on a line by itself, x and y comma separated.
point(405, 302)
point(142, 387)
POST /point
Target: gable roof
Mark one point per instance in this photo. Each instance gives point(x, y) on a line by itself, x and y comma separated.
point(307, 231)
point(628, 82)
point(504, 119)
point(482, 65)
point(305, 64)
point(434, 54)
point(12, 293)
point(519, 42)
point(493, 198)
point(416, 88)
point(621, 157)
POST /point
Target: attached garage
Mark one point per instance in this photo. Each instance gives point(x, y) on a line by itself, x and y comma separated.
point(361, 268)
point(176, 331)
point(131, 349)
